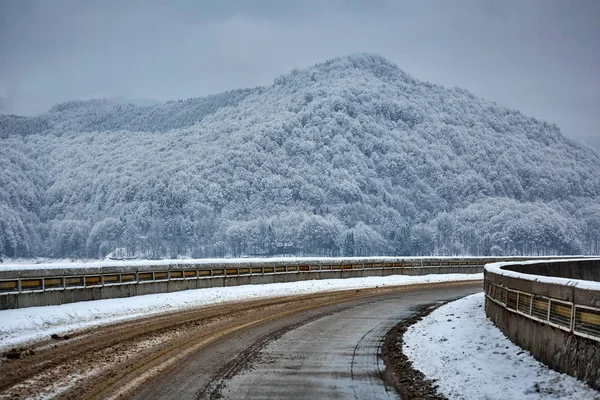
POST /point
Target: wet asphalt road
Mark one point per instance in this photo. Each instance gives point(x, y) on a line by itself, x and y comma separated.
point(326, 353)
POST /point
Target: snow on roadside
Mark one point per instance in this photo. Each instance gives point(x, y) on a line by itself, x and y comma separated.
point(48, 264)
point(469, 358)
point(25, 324)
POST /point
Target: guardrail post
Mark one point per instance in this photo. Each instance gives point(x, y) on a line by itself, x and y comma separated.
point(531, 300)
point(573, 310)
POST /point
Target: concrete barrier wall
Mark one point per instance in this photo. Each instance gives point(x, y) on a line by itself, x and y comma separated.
point(40, 287)
point(588, 270)
point(557, 319)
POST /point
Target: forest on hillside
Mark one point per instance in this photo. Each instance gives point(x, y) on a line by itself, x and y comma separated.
point(349, 157)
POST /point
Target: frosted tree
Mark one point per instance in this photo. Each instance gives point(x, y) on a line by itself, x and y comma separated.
point(353, 145)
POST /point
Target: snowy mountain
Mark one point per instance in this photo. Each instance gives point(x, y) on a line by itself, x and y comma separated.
point(352, 156)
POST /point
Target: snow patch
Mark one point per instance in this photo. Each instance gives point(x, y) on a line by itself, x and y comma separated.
point(25, 324)
point(469, 358)
point(19, 265)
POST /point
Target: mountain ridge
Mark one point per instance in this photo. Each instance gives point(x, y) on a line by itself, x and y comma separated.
point(350, 156)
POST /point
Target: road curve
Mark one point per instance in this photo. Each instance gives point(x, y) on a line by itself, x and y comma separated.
point(326, 353)
point(320, 345)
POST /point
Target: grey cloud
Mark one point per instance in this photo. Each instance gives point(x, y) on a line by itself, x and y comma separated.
point(541, 57)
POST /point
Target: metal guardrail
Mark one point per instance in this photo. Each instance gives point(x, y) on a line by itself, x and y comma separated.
point(67, 282)
point(580, 320)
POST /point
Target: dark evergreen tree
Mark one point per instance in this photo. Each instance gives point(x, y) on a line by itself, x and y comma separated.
point(349, 244)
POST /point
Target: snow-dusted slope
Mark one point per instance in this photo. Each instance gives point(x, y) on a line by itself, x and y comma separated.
point(352, 156)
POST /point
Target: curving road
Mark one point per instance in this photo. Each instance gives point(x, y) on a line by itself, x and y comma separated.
point(318, 346)
point(326, 353)
point(335, 356)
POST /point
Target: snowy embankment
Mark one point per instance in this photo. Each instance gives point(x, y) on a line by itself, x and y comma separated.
point(469, 358)
point(21, 325)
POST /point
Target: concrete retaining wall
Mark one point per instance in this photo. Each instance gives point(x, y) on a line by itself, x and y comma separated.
point(556, 319)
point(588, 270)
point(541, 340)
point(39, 285)
point(61, 296)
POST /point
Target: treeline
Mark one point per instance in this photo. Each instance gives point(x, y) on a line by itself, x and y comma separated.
point(480, 229)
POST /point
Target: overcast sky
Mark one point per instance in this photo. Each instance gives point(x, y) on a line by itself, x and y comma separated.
point(539, 56)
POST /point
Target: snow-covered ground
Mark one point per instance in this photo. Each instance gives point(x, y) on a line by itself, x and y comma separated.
point(21, 325)
point(456, 345)
point(48, 263)
point(472, 359)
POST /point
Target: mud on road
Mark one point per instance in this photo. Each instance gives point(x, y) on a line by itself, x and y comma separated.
point(408, 381)
point(139, 357)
